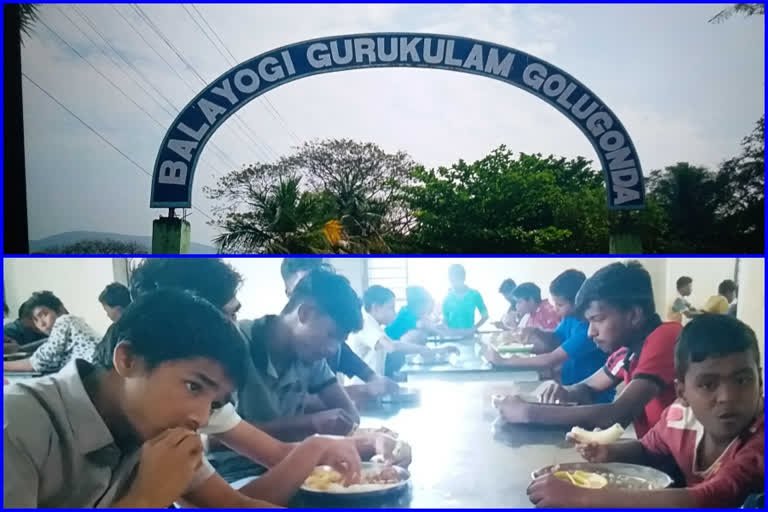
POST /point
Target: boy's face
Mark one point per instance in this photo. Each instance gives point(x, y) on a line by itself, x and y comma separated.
point(686, 290)
point(612, 328)
point(723, 392)
point(114, 313)
point(44, 318)
point(316, 335)
point(526, 306)
point(563, 306)
point(178, 393)
point(456, 279)
point(384, 313)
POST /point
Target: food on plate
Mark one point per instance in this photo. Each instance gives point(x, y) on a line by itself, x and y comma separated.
point(607, 436)
point(330, 480)
point(585, 479)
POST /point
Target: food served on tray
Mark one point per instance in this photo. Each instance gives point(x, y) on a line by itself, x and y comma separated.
point(586, 479)
point(325, 479)
point(607, 436)
point(611, 475)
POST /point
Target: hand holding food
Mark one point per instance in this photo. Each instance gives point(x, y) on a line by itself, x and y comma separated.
point(593, 452)
point(392, 451)
point(342, 456)
point(166, 467)
point(597, 436)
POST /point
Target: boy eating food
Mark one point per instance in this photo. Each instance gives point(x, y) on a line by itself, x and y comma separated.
point(125, 435)
point(713, 434)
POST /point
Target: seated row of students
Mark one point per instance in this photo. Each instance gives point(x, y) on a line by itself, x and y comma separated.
point(272, 370)
point(722, 303)
point(713, 435)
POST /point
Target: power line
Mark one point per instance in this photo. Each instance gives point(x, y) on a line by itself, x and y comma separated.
point(223, 156)
point(234, 62)
point(175, 50)
point(99, 135)
point(184, 80)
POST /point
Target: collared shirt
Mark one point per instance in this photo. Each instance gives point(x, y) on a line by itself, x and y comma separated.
point(267, 394)
point(364, 343)
point(737, 472)
point(57, 450)
point(71, 338)
point(653, 360)
point(459, 310)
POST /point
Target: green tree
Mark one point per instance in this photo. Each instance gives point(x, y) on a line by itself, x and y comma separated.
point(285, 206)
point(503, 204)
point(97, 247)
point(741, 189)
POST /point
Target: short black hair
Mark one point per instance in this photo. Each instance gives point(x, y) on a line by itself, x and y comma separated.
point(527, 291)
point(567, 284)
point(6, 311)
point(417, 297)
point(726, 286)
point(172, 324)
point(712, 335)
point(683, 281)
point(43, 298)
point(457, 270)
point(115, 294)
point(210, 278)
point(622, 285)
point(377, 295)
point(332, 294)
point(507, 286)
point(24, 310)
point(291, 266)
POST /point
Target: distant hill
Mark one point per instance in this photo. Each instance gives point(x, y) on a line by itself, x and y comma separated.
point(69, 238)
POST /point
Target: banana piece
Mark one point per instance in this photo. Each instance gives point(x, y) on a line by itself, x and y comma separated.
point(585, 479)
point(607, 436)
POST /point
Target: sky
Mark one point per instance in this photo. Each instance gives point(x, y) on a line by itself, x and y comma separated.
point(685, 89)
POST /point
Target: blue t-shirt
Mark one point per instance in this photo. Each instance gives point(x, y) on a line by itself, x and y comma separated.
point(403, 322)
point(584, 357)
point(459, 312)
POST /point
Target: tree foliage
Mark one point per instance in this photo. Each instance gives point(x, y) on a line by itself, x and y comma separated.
point(97, 247)
point(286, 206)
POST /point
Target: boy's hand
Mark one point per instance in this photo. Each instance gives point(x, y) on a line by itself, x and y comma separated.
point(512, 408)
point(380, 385)
point(492, 356)
point(341, 455)
point(552, 393)
point(166, 467)
point(592, 452)
point(333, 422)
point(548, 491)
point(392, 451)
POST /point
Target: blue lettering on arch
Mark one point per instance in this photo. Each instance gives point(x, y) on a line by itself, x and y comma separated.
point(248, 80)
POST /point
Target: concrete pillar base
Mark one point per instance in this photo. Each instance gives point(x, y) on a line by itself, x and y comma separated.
point(170, 236)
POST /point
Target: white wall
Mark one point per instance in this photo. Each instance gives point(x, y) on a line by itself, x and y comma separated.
point(76, 281)
point(263, 292)
point(751, 308)
point(707, 274)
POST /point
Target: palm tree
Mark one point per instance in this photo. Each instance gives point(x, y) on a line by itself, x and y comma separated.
point(28, 15)
point(283, 220)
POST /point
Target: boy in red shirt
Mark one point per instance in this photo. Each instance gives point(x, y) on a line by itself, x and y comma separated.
point(713, 435)
point(617, 301)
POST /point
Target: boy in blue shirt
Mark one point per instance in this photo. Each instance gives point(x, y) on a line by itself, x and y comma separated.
point(461, 302)
point(569, 346)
